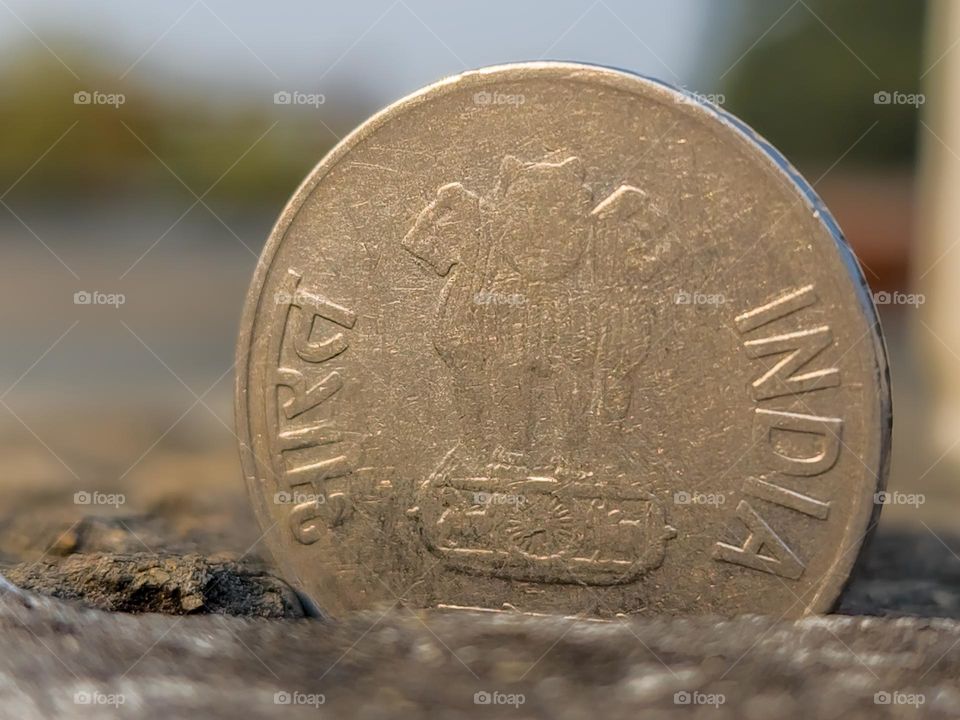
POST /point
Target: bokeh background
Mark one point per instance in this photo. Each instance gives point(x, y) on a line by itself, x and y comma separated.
point(163, 187)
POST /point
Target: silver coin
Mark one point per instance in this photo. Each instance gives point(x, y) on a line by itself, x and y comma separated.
point(557, 338)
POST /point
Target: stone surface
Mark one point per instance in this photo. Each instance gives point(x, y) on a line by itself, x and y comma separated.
point(79, 663)
point(394, 665)
point(906, 572)
point(170, 584)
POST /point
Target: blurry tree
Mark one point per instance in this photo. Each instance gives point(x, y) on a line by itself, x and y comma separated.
point(808, 86)
point(200, 132)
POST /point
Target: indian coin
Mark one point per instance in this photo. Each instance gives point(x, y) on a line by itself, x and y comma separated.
point(557, 338)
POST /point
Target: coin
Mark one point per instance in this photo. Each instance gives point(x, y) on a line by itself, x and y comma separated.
point(557, 338)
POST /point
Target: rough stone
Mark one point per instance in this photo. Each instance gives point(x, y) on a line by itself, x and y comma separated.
point(72, 662)
point(906, 572)
point(146, 582)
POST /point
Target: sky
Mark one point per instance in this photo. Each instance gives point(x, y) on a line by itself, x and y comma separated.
point(387, 47)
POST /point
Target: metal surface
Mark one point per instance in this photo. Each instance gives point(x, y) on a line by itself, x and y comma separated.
point(558, 338)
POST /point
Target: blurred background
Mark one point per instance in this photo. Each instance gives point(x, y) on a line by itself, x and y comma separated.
point(147, 148)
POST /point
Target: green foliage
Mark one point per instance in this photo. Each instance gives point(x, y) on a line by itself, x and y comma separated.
point(197, 135)
point(811, 96)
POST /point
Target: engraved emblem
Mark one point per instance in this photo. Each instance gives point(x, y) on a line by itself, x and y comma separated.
point(535, 323)
point(543, 524)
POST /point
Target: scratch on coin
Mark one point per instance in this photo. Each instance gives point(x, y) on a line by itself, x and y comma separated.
point(374, 166)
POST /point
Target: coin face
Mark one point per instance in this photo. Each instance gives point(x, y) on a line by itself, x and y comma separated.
point(557, 338)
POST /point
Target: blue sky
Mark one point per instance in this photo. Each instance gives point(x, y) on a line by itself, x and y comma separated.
point(388, 47)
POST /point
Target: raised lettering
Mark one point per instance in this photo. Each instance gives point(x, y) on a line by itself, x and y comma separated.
point(782, 378)
point(778, 559)
point(824, 432)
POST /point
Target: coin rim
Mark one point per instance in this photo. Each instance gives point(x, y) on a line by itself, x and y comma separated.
point(863, 518)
